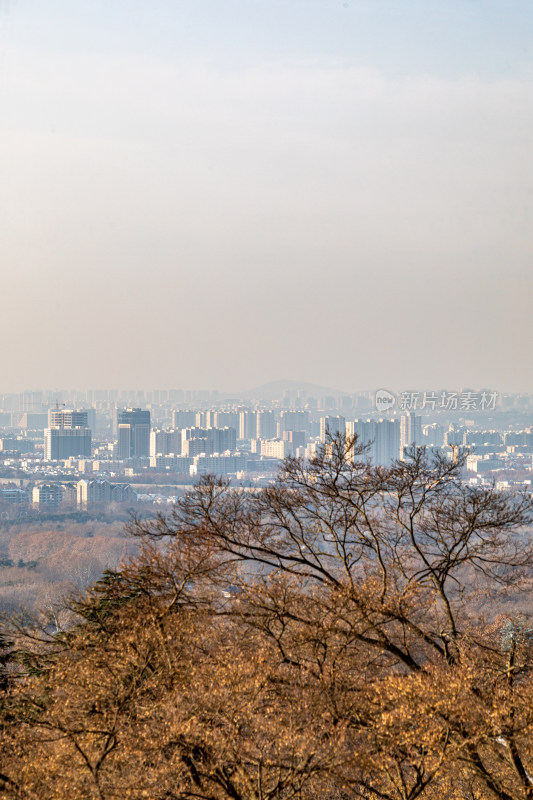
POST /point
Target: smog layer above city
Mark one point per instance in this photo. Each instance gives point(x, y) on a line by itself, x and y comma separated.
point(220, 194)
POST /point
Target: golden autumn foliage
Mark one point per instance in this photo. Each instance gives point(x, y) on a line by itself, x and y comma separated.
point(39, 565)
point(337, 635)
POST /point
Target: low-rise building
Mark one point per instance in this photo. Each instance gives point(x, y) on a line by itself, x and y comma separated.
point(13, 496)
point(47, 496)
point(17, 444)
point(275, 448)
point(97, 492)
point(171, 461)
point(216, 464)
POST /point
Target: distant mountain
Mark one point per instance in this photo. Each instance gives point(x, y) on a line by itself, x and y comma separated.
point(275, 390)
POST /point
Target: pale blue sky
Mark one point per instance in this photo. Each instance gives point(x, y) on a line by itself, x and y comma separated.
point(217, 194)
point(449, 38)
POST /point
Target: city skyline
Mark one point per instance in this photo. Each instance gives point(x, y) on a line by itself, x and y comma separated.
point(400, 396)
point(73, 451)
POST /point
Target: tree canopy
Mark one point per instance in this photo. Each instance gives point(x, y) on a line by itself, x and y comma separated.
point(351, 631)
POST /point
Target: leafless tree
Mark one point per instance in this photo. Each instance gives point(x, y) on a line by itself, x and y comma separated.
point(318, 638)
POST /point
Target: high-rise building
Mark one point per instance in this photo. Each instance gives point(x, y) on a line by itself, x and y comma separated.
point(266, 425)
point(31, 421)
point(332, 426)
point(207, 440)
point(387, 444)
point(294, 421)
point(380, 437)
point(222, 439)
point(455, 435)
point(225, 419)
point(164, 442)
point(247, 425)
point(67, 418)
point(133, 433)
point(433, 435)
point(295, 439)
point(61, 443)
point(183, 419)
point(410, 431)
point(365, 431)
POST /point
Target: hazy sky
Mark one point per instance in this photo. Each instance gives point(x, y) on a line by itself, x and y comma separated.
point(220, 193)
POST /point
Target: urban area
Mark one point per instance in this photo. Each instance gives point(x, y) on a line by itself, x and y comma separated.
point(111, 450)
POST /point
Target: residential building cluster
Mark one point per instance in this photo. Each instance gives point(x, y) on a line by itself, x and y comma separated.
point(83, 450)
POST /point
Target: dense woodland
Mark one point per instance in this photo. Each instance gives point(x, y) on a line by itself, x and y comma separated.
point(42, 560)
point(352, 631)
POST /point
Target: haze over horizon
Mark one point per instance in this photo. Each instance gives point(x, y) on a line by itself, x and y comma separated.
point(217, 194)
point(269, 391)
